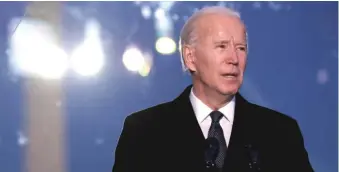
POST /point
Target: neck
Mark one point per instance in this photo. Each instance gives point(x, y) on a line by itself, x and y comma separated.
point(210, 97)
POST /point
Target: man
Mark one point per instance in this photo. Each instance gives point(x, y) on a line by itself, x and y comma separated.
point(247, 137)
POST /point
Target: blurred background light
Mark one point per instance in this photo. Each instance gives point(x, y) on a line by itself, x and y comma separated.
point(22, 139)
point(88, 58)
point(175, 17)
point(166, 5)
point(146, 11)
point(34, 51)
point(322, 76)
point(159, 13)
point(133, 59)
point(165, 45)
point(146, 68)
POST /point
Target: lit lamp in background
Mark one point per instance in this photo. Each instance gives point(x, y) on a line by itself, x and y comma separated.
point(34, 51)
point(36, 55)
point(88, 58)
point(165, 45)
point(164, 27)
point(136, 61)
point(133, 59)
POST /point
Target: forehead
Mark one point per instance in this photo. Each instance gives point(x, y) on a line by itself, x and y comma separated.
point(218, 26)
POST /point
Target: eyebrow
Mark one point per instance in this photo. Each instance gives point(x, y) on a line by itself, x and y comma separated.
point(222, 42)
point(226, 42)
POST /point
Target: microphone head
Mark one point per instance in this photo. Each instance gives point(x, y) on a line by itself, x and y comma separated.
point(253, 155)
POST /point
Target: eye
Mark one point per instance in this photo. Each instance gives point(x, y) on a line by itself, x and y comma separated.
point(222, 46)
point(242, 48)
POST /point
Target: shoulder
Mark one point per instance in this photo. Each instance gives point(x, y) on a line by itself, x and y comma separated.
point(150, 114)
point(268, 124)
point(161, 113)
point(270, 114)
point(278, 130)
point(269, 118)
point(260, 115)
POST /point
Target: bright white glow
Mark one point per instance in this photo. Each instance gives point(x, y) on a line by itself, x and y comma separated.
point(160, 13)
point(22, 139)
point(146, 11)
point(34, 51)
point(165, 45)
point(88, 59)
point(133, 59)
point(166, 5)
point(164, 25)
point(92, 28)
point(55, 66)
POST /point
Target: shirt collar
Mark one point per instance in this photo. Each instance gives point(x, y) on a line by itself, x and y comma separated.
point(202, 111)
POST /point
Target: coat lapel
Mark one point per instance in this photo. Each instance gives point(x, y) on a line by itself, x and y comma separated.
point(236, 152)
point(189, 131)
point(184, 109)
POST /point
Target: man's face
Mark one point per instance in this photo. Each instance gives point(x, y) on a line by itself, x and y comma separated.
point(218, 59)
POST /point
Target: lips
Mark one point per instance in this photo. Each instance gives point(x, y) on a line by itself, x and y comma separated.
point(233, 74)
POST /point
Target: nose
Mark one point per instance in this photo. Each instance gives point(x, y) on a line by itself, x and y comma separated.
point(231, 55)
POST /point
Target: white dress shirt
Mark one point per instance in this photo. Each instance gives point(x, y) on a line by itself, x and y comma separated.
point(202, 112)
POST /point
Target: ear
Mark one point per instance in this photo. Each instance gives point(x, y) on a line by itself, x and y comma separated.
point(189, 57)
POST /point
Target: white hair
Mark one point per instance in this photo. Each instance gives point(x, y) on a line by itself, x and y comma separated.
point(188, 34)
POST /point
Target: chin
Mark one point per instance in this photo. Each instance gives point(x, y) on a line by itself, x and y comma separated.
point(229, 91)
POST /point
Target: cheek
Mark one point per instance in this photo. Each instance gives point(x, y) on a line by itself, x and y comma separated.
point(206, 61)
point(242, 63)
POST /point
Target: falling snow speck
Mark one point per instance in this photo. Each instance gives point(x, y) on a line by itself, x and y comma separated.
point(256, 5)
point(22, 139)
point(99, 141)
point(322, 76)
point(175, 17)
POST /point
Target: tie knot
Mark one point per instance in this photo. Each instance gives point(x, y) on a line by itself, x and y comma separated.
point(216, 116)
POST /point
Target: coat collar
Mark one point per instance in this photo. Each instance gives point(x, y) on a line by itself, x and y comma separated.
point(184, 109)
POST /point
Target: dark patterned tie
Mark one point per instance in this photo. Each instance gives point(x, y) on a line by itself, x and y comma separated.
point(217, 132)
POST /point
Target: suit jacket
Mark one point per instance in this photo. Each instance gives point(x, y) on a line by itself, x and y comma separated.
point(167, 137)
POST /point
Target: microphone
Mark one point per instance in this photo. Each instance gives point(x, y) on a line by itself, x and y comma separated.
point(211, 153)
point(253, 154)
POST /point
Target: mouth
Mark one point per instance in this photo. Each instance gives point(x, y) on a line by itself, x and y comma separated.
point(230, 75)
